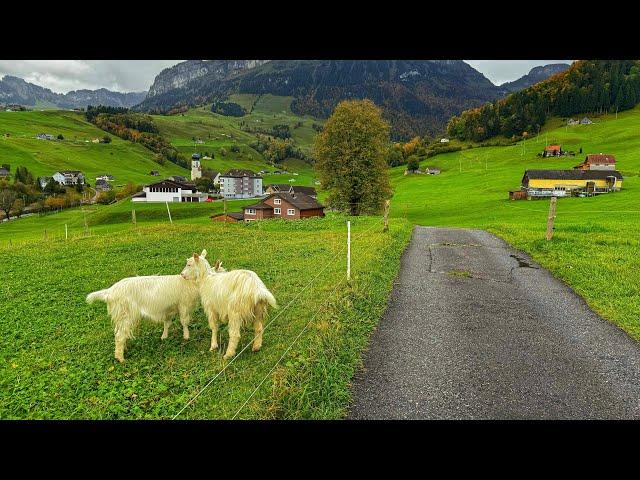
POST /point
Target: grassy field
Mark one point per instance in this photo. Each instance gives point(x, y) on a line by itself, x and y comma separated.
point(595, 247)
point(57, 351)
point(126, 161)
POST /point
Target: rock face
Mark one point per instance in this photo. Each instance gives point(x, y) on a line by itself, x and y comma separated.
point(416, 96)
point(181, 74)
point(535, 75)
point(14, 90)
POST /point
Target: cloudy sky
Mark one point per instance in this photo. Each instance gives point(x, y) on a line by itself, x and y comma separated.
point(62, 76)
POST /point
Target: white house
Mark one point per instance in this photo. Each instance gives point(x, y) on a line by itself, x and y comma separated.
point(69, 177)
point(239, 183)
point(169, 191)
point(444, 140)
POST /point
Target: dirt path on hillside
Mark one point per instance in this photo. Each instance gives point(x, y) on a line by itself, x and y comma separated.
point(476, 330)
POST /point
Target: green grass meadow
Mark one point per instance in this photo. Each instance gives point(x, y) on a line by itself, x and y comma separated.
point(57, 351)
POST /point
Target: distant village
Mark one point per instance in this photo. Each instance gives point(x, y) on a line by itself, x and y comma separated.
point(596, 175)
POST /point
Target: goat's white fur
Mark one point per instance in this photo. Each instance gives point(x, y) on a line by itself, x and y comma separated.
point(238, 298)
point(158, 298)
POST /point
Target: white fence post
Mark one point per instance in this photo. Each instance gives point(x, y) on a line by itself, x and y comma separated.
point(66, 232)
point(348, 249)
point(169, 212)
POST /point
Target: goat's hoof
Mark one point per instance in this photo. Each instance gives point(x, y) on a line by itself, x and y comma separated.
point(120, 359)
point(256, 349)
point(227, 356)
point(164, 337)
point(212, 349)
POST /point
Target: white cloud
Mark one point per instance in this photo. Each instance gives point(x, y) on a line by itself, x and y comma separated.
point(62, 76)
point(500, 71)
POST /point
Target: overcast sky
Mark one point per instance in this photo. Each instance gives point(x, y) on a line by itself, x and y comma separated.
point(62, 76)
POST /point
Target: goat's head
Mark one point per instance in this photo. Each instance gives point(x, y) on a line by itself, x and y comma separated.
point(197, 266)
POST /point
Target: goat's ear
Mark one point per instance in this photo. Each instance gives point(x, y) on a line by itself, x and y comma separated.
point(218, 263)
point(197, 257)
point(203, 254)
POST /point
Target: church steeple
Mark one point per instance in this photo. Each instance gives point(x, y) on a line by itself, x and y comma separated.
point(196, 169)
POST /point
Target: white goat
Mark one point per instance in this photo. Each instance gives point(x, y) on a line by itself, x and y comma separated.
point(237, 297)
point(158, 298)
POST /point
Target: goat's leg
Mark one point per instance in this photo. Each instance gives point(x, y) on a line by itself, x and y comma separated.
point(234, 335)
point(185, 320)
point(257, 327)
point(213, 325)
point(121, 341)
point(165, 332)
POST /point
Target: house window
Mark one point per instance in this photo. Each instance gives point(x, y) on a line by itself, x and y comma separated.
point(276, 211)
point(250, 211)
point(291, 211)
point(277, 201)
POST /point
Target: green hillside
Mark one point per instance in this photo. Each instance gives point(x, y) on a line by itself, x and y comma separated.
point(126, 161)
point(218, 132)
point(595, 247)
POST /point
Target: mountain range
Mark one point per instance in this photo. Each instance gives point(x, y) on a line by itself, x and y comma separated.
point(535, 75)
point(14, 90)
point(416, 96)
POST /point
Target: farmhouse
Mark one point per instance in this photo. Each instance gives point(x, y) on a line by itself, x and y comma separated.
point(154, 173)
point(213, 175)
point(239, 183)
point(45, 136)
point(290, 206)
point(444, 140)
point(169, 191)
point(552, 151)
point(432, 170)
point(598, 161)
point(561, 183)
point(178, 178)
point(4, 173)
point(586, 121)
point(102, 185)
point(106, 176)
point(277, 187)
point(286, 188)
point(69, 177)
point(571, 121)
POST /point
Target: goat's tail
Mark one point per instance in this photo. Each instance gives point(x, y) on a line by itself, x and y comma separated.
point(99, 295)
point(266, 296)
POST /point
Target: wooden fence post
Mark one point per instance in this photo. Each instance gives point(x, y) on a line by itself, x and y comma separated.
point(551, 218)
point(224, 209)
point(386, 215)
point(66, 232)
point(133, 216)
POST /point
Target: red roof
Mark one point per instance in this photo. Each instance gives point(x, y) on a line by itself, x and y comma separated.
point(552, 148)
point(600, 158)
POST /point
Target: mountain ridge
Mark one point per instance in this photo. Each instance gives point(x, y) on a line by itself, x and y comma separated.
point(535, 75)
point(16, 90)
point(416, 96)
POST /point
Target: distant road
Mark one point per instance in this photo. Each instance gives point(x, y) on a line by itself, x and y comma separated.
point(476, 330)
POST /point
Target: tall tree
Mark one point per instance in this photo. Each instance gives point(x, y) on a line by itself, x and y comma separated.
point(7, 198)
point(350, 153)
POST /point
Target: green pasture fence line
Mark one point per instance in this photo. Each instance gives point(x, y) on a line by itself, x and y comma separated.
point(341, 252)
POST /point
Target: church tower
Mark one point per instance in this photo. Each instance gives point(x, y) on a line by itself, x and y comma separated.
point(196, 169)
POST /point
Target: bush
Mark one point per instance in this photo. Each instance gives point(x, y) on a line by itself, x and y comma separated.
point(60, 137)
point(106, 197)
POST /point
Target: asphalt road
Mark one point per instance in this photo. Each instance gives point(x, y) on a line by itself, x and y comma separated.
point(476, 330)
